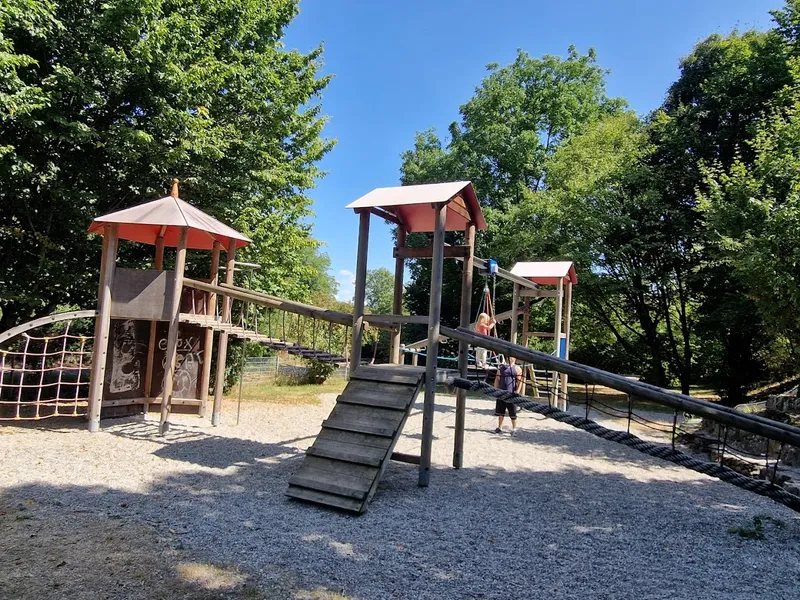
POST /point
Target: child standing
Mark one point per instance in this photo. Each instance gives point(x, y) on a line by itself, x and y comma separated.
point(484, 326)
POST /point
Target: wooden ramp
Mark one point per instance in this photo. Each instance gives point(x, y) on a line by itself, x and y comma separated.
point(344, 465)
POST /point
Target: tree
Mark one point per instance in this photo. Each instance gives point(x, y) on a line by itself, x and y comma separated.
point(379, 299)
point(517, 118)
point(102, 103)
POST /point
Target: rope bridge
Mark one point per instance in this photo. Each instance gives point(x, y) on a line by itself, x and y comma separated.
point(670, 454)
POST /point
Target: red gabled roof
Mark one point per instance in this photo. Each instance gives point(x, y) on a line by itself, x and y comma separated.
point(411, 204)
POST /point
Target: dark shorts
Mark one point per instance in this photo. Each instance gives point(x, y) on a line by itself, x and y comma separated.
point(501, 407)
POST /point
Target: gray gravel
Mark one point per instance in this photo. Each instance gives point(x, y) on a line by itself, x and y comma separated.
point(552, 513)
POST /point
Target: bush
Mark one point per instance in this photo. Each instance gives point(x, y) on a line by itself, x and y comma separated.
point(318, 371)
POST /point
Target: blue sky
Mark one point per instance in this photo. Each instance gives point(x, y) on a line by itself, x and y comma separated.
point(402, 67)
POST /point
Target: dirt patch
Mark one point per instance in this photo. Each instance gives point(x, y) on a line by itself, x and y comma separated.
point(50, 552)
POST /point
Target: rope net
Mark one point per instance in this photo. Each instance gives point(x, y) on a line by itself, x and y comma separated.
point(44, 377)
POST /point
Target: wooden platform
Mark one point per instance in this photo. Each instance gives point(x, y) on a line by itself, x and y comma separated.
point(344, 465)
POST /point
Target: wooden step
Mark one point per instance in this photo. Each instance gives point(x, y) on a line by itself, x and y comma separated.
point(325, 498)
point(353, 453)
point(396, 403)
point(358, 427)
point(322, 484)
point(349, 437)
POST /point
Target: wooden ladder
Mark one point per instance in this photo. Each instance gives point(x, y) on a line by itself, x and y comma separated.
point(344, 465)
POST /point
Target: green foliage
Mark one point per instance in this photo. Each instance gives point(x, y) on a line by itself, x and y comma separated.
point(683, 225)
point(318, 372)
point(102, 103)
point(757, 531)
point(516, 120)
point(379, 299)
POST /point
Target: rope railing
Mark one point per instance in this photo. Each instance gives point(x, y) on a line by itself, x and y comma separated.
point(662, 451)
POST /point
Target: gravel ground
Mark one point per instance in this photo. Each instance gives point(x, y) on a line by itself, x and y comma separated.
point(552, 513)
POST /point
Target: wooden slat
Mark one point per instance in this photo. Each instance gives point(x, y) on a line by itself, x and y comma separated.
point(358, 427)
point(360, 455)
point(338, 472)
point(375, 401)
point(325, 498)
point(381, 417)
point(386, 375)
point(327, 483)
point(351, 437)
point(364, 386)
point(343, 469)
point(427, 252)
point(402, 457)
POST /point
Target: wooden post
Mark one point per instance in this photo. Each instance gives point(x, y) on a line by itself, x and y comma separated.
point(526, 326)
point(171, 355)
point(360, 291)
point(151, 347)
point(557, 333)
point(414, 359)
point(102, 326)
point(463, 347)
point(434, 315)
point(222, 347)
point(514, 313)
point(397, 303)
point(567, 327)
point(208, 343)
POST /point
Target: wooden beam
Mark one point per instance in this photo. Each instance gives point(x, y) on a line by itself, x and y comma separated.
point(434, 316)
point(360, 290)
point(386, 321)
point(567, 326)
point(427, 252)
point(465, 316)
point(246, 295)
point(171, 355)
point(411, 459)
point(458, 206)
point(514, 313)
point(762, 426)
point(560, 400)
point(102, 325)
point(385, 214)
point(480, 263)
point(538, 293)
point(158, 264)
point(397, 299)
point(54, 318)
point(222, 342)
point(506, 314)
point(208, 342)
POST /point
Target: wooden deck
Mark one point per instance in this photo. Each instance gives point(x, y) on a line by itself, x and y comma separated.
point(344, 465)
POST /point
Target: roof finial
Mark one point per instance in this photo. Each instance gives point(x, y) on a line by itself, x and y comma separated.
point(175, 183)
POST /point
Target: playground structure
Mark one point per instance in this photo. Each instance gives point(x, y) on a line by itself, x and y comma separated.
point(154, 332)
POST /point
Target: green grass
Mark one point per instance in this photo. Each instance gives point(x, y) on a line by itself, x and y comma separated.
point(268, 390)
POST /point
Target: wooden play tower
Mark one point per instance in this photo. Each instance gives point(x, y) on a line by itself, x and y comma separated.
point(431, 208)
point(152, 297)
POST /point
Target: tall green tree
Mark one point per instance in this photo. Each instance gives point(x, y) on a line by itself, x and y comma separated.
point(517, 118)
point(103, 102)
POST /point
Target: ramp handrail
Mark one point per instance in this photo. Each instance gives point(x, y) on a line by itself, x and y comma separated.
point(775, 430)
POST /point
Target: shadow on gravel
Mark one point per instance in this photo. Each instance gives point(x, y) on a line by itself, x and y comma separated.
point(474, 533)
